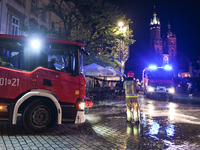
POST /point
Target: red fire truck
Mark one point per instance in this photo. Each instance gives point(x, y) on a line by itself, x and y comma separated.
point(32, 89)
point(158, 81)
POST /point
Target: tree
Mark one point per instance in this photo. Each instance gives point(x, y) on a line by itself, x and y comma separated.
point(93, 21)
point(100, 30)
point(67, 13)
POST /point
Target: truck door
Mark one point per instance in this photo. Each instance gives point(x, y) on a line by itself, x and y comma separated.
point(12, 83)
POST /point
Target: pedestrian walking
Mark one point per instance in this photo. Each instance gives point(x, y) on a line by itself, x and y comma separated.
point(131, 98)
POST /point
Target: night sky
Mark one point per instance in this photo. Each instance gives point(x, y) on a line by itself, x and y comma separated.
point(183, 16)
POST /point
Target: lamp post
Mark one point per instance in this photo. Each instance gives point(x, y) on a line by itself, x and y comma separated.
point(123, 30)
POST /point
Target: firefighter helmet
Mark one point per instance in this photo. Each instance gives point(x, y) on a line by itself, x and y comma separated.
point(130, 74)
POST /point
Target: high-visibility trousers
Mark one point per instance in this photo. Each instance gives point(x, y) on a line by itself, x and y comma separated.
point(132, 103)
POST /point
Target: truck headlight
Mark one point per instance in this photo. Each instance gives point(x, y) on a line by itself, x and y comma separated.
point(81, 105)
point(150, 89)
point(3, 108)
point(171, 90)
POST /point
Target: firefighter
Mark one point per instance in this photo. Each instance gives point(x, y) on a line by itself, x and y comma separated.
point(131, 99)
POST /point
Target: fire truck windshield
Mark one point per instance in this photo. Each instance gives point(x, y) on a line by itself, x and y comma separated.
point(160, 74)
point(20, 54)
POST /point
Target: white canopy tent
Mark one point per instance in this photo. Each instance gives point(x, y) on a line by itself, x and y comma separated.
point(97, 70)
point(109, 72)
point(118, 73)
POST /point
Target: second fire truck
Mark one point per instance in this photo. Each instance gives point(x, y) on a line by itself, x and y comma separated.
point(158, 81)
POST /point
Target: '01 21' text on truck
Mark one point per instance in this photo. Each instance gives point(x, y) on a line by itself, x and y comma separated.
point(158, 81)
point(31, 88)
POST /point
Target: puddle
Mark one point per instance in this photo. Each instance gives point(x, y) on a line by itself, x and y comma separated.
point(164, 125)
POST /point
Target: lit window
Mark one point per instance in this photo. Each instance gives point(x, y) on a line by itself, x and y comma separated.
point(165, 60)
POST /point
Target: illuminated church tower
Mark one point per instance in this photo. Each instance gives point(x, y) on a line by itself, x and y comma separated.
point(164, 49)
point(156, 43)
point(170, 45)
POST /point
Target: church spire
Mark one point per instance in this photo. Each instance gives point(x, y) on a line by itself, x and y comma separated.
point(169, 27)
point(154, 9)
point(169, 32)
point(155, 20)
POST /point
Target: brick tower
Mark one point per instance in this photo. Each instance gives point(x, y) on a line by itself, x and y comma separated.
point(170, 45)
point(164, 49)
point(156, 44)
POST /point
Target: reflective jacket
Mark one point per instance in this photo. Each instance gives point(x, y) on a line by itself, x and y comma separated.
point(130, 87)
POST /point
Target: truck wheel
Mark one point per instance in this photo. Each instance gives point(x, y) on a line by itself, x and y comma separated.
point(39, 117)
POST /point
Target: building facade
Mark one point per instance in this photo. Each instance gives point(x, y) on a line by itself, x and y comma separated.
point(17, 14)
point(164, 48)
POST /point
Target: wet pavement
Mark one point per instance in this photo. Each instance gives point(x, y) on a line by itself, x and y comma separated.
point(164, 125)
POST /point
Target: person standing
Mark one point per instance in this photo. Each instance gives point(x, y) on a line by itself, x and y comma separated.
point(131, 98)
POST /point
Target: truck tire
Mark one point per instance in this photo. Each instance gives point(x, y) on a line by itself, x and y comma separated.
point(39, 117)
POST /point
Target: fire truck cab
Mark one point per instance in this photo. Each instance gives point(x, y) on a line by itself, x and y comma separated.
point(31, 88)
point(158, 81)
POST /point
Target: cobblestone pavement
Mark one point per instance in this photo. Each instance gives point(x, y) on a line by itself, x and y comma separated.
point(164, 125)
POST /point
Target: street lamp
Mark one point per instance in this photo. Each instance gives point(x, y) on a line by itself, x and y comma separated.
point(120, 24)
point(122, 29)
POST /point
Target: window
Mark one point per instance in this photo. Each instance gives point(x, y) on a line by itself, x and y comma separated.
point(165, 60)
point(15, 26)
point(9, 58)
point(66, 62)
point(43, 16)
point(20, 54)
point(34, 6)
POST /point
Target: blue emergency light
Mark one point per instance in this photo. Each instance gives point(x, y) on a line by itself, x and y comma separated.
point(167, 67)
point(153, 67)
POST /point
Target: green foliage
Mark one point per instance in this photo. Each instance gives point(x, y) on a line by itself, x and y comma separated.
point(95, 22)
point(100, 30)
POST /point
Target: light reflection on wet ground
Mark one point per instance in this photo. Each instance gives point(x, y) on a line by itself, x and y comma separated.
point(164, 125)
